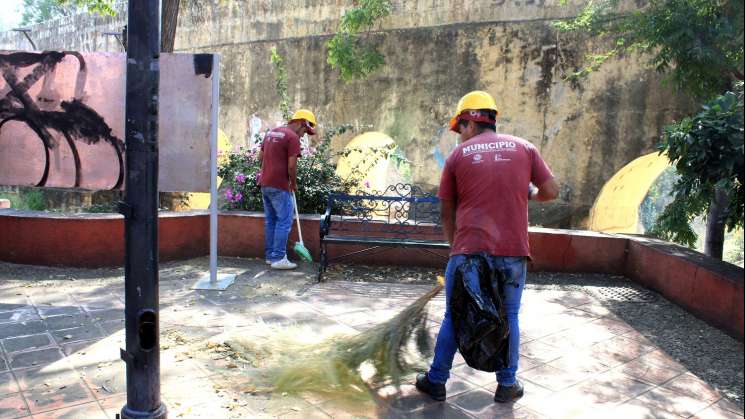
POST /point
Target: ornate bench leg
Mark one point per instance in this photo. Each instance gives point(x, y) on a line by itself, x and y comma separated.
point(324, 262)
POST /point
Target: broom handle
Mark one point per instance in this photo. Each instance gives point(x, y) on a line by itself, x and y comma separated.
point(297, 217)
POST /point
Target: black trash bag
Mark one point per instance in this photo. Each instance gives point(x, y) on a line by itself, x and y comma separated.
point(479, 318)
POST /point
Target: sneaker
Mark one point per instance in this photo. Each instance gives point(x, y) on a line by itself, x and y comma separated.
point(283, 264)
point(436, 391)
point(268, 262)
point(507, 394)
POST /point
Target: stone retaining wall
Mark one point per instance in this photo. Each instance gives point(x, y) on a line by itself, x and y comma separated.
point(435, 51)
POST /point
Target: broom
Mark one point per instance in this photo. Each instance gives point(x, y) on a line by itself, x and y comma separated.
point(300, 248)
point(350, 366)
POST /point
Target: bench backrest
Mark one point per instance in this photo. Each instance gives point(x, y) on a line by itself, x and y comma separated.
point(401, 210)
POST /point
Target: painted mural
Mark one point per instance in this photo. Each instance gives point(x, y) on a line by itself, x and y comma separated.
point(62, 120)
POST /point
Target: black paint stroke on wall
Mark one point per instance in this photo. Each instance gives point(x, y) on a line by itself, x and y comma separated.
point(76, 121)
point(203, 65)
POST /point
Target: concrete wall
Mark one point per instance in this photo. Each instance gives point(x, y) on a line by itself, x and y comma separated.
point(436, 50)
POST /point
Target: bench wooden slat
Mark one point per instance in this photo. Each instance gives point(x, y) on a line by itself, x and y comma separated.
point(382, 219)
point(383, 241)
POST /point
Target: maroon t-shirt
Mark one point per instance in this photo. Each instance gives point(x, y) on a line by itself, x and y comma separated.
point(488, 177)
point(279, 144)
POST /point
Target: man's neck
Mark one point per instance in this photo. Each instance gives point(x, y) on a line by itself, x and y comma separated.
point(486, 131)
point(294, 128)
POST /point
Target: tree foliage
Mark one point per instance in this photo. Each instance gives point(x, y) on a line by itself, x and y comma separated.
point(699, 43)
point(707, 151)
point(281, 83)
point(37, 11)
point(102, 7)
point(316, 175)
point(355, 56)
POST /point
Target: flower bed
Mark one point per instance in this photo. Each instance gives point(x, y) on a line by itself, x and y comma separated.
point(316, 176)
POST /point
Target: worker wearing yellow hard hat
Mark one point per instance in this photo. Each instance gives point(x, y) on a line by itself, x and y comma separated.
point(303, 118)
point(476, 106)
point(278, 180)
point(484, 192)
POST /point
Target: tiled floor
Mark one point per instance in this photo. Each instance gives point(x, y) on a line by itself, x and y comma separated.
point(60, 345)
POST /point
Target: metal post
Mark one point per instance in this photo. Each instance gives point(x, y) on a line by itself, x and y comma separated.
point(119, 36)
point(140, 209)
point(213, 281)
point(26, 32)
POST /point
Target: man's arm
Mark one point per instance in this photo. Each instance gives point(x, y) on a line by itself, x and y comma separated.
point(292, 172)
point(548, 191)
point(447, 218)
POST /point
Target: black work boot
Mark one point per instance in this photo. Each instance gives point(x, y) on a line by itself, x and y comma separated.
point(506, 394)
point(436, 391)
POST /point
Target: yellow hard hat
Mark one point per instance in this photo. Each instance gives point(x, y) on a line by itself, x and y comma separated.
point(471, 102)
point(306, 115)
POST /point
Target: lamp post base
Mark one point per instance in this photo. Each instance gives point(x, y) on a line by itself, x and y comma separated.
point(159, 413)
point(222, 282)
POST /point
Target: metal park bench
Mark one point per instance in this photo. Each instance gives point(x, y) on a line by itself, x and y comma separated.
point(401, 216)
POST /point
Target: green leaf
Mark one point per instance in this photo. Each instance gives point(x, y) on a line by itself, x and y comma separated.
point(356, 57)
point(706, 150)
point(281, 83)
point(699, 43)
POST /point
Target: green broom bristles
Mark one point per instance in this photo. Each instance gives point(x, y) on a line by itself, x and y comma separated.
point(343, 366)
point(303, 252)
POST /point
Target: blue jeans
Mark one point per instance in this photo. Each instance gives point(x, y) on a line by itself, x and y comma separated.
point(514, 269)
point(278, 216)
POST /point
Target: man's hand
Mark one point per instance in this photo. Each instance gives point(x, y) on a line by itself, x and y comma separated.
point(292, 172)
point(546, 192)
point(447, 217)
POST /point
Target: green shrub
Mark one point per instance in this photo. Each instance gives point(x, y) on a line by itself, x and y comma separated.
point(27, 199)
point(316, 177)
point(33, 199)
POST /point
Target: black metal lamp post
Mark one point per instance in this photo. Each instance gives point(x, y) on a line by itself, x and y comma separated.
point(140, 209)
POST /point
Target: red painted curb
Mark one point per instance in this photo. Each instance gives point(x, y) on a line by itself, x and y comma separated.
point(711, 289)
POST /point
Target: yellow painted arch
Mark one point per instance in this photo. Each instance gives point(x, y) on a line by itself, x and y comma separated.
point(616, 209)
point(377, 172)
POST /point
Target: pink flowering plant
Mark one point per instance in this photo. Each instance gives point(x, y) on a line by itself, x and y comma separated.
point(316, 176)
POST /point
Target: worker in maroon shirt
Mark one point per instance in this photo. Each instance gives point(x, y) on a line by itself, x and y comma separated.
point(484, 191)
point(279, 153)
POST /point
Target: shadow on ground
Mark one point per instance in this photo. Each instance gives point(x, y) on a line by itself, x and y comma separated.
point(591, 344)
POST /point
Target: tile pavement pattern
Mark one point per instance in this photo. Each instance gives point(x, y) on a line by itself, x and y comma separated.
point(59, 355)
